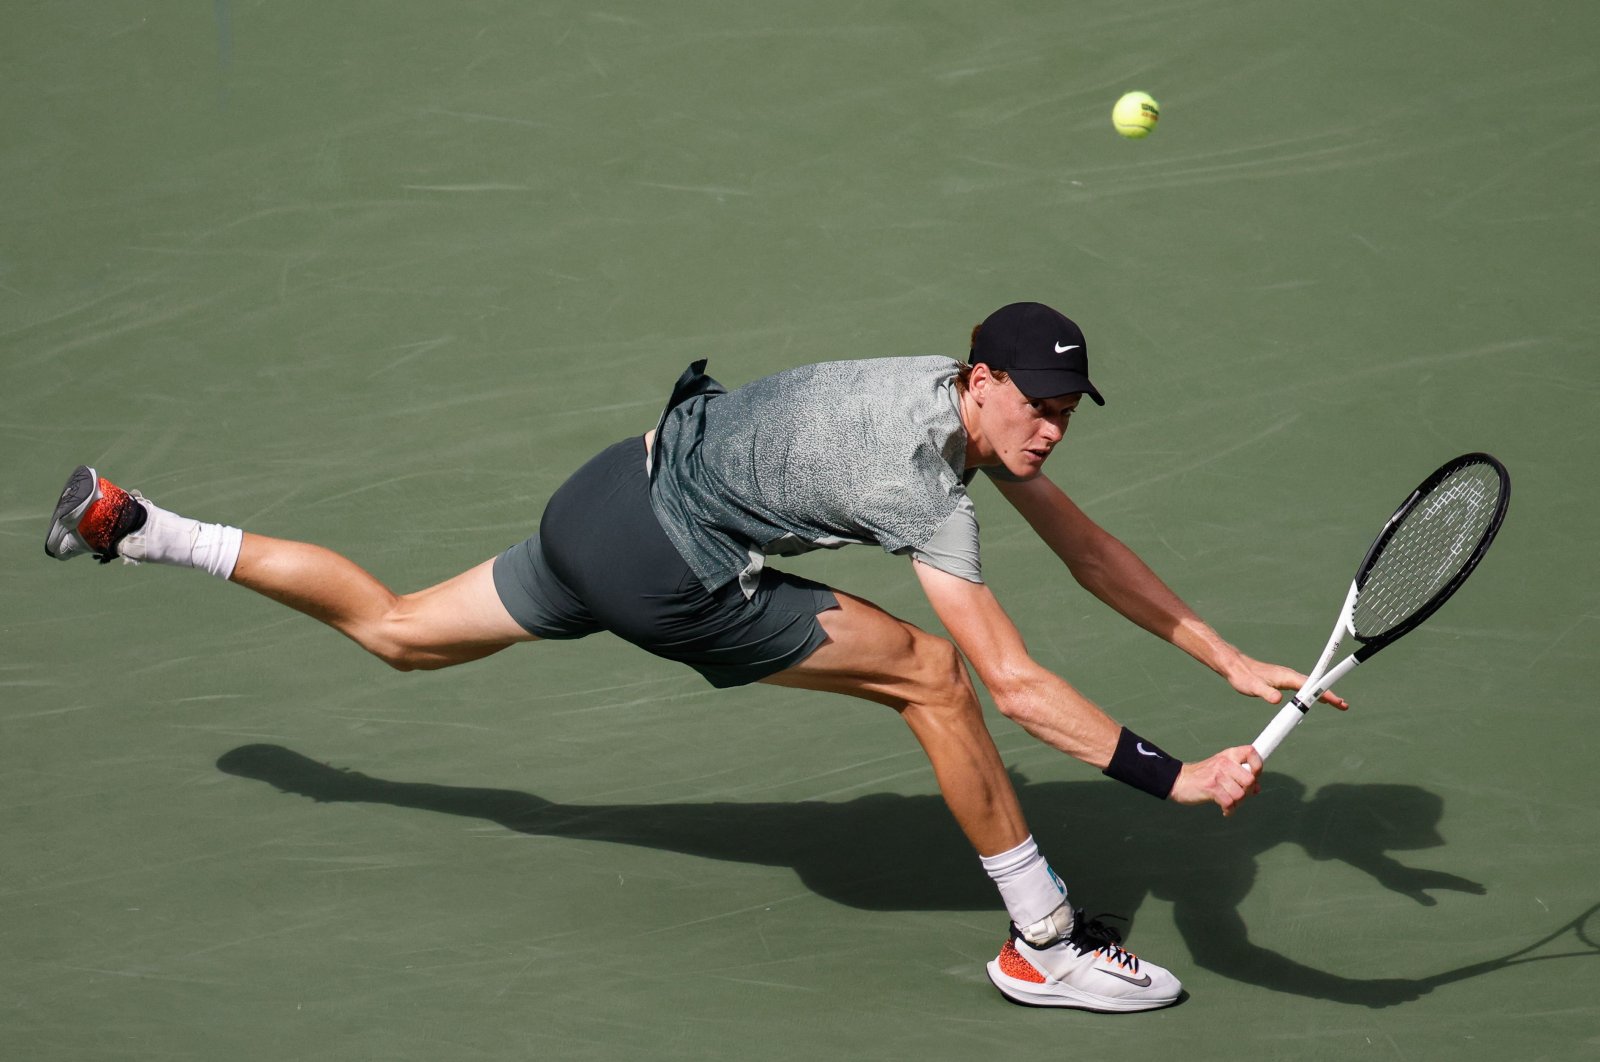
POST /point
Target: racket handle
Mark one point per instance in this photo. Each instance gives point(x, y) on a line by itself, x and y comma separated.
point(1299, 706)
point(1288, 717)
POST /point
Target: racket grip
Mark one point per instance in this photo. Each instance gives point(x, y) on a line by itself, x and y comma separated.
point(1287, 719)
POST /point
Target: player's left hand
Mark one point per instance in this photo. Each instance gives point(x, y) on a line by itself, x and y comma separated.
point(1253, 678)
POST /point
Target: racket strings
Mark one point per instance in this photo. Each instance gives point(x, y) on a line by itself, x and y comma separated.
point(1436, 539)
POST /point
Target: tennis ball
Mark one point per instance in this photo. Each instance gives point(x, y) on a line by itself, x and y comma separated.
point(1135, 115)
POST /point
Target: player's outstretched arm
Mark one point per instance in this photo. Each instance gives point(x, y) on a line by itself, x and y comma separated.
point(1050, 709)
point(1036, 699)
point(1111, 571)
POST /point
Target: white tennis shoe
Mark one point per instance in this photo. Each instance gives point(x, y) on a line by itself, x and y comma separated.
point(93, 515)
point(1088, 970)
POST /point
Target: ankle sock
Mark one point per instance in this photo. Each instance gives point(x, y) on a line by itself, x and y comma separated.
point(1029, 888)
point(167, 538)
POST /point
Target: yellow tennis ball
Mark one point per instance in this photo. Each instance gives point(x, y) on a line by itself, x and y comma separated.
point(1135, 115)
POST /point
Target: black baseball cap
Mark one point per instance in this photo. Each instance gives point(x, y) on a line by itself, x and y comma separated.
point(1041, 349)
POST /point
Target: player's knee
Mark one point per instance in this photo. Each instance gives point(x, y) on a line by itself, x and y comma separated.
point(401, 659)
point(397, 655)
point(942, 675)
point(393, 640)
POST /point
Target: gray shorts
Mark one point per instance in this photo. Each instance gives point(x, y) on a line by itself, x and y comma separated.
point(601, 562)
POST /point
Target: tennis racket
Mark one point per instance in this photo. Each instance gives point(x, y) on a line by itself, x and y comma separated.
point(1422, 556)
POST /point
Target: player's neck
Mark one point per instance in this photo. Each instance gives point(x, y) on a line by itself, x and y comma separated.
point(979, 453)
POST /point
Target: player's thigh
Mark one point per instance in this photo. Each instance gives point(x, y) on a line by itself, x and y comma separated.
point(877, 656)
point(465, 610)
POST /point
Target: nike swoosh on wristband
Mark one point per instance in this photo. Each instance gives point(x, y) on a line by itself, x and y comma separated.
point(1139, 745)
point(1062, 350)
point(1142, 981)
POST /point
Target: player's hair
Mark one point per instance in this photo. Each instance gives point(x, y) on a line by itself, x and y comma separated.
point(964, 375)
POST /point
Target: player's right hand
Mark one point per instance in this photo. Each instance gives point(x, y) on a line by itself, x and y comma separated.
point(1225, 779)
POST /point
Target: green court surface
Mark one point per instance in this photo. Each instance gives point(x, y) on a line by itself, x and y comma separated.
point(379, 276)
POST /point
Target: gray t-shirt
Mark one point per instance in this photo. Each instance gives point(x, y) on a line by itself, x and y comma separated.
point(816, 457)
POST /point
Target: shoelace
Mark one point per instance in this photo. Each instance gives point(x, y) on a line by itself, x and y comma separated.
point(1091, 934)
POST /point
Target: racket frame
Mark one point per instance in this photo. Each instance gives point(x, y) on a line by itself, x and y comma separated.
point(1322, 677)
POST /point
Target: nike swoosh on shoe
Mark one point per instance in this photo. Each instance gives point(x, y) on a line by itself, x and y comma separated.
point(1142, 981)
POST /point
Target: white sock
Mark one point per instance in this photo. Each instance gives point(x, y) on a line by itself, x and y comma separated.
point(1029, 888)
point(167, 538)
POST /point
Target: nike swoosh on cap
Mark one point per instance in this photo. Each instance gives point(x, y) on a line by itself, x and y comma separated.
point(1062, 350)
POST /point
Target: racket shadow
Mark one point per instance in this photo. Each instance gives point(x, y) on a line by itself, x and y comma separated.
point(1578, 939)
point(888, 851)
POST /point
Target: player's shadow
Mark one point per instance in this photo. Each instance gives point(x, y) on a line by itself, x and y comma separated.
point(886, 851)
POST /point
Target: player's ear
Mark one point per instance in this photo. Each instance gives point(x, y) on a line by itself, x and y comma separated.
point(979, 382)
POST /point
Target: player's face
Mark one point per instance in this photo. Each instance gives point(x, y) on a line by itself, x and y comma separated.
point(1022, 431)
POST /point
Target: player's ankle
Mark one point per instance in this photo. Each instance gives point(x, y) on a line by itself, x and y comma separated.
point(167, 538)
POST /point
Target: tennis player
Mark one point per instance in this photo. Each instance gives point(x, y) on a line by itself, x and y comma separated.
point(664, 538)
